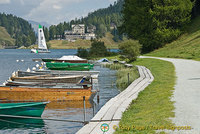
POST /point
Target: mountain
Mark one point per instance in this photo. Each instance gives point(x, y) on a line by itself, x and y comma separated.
point(35, 25)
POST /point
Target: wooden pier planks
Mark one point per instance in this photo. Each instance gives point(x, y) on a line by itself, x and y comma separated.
point(111, 112)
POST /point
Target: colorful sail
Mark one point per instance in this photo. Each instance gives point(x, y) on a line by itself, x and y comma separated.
point(41, 38)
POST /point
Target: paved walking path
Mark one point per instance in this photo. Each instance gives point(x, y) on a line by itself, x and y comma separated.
point(186, 94)
point(111, 112)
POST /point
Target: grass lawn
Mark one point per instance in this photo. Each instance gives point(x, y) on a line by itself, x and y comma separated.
point(64, 44)
point(153, 107)
point(187, 46)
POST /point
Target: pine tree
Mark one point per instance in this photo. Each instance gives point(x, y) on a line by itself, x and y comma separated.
point(155, 23)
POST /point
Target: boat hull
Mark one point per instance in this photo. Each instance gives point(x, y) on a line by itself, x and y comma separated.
point(69, 61)
point(34, 109)
point(49, 79)
point(69, 66)
point(45, 94)
point(93, 74)
point(39, 51)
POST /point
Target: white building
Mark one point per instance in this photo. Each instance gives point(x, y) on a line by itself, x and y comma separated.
point(78, 29)
point(78, 32)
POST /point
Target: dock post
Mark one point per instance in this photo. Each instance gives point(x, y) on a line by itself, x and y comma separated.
point(91, 81)
point(128, 79)
point(84, 109)
point(98, 97)
point(93, 109)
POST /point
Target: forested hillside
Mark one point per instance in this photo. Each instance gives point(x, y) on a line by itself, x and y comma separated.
point(101, 18)
point(156, 23)
point(19, 29)
point(5, 39)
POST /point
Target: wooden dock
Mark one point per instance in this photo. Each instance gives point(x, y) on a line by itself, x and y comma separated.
point(111, 112)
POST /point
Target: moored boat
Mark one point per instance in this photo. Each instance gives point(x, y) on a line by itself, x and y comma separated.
point(49, 79)
point(69, 66)
point(46, 94)
point(34, 109)
point(93, 74)
point(69, 59)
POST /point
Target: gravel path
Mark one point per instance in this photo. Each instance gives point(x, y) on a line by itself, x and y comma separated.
point(186, 94)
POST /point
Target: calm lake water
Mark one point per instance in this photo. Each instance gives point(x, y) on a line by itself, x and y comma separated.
point(68, 110)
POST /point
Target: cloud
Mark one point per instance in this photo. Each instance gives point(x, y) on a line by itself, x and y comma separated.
point(4, 1)
point(111, 1)
point(51, 10)
point(57, 7)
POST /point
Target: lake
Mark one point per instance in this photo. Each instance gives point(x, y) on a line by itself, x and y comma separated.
point(20, 59)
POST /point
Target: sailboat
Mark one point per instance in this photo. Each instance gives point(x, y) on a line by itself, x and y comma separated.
point(42, 46)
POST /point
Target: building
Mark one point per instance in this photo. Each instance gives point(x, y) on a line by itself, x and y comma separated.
point(89, 36)
point(78, 32)
point(91, 29)
point(78, 29)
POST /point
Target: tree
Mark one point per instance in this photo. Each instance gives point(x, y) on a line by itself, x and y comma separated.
point(155, 23)
point(130, 49)
point(52, 32)
point(46, 33)
point(81, 52)
point(98, 49)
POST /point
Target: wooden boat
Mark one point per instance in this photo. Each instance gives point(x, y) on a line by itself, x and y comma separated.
point(34, 109)
point(46, 84)
point(46, 94)
point(69, 59)
point(69, 66)
point(49, 79)
point(93, 74)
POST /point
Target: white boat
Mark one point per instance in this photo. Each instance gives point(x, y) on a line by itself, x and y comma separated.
point(42, 46)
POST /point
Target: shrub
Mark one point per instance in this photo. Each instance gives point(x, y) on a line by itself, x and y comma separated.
point(130, 49)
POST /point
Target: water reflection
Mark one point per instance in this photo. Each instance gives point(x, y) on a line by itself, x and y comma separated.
point(10, 125)
point(64, 105)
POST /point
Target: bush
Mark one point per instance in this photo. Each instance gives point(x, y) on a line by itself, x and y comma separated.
point(130, 49)
point(98, 49)
point(82, 52)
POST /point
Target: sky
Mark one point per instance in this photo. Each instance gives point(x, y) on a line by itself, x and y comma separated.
point(52, 11)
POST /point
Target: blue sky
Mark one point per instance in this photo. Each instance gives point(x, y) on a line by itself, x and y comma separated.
point(52, 11)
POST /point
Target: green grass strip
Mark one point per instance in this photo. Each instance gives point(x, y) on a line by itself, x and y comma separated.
point(153, 108)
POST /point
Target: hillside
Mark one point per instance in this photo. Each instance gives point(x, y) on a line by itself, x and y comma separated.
point(63, 44)
point(18, 29)
point(5, 39)
point(101, 19)
point(186, 46)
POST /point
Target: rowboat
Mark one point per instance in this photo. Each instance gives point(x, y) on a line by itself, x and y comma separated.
point(93, 74)
point(69, 66)
point(49, 79)
point(69, 59)
point(46, 94)
point(34, 109)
